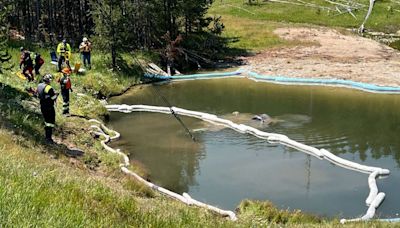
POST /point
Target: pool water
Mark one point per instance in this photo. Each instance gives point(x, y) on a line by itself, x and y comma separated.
point(223, 167)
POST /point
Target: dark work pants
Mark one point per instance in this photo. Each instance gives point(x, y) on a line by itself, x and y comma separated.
point(65, 96)
point(49, 116)
point(27, 71)
point(86, 58)
point(37, 68)
point(62, 59)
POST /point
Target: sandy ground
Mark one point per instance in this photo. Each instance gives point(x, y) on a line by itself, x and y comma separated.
point(332, 55)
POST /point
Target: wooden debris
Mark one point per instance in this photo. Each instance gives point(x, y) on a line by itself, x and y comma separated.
point(371, 6)
point(154, 69)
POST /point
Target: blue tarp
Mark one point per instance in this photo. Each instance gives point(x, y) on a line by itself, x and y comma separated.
point(285, 80)
point(53, 56)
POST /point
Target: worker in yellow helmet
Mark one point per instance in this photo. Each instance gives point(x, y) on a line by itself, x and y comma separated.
point(64, 54)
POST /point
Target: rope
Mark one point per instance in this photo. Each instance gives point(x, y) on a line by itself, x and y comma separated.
point(173, 112)
point(167, 103)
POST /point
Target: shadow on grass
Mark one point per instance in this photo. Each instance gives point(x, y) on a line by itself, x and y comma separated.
point(129, 70)
point(26, 122)
point(395, 45)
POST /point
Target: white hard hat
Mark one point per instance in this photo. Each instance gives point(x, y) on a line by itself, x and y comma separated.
point(48, 78)
point(84, 39)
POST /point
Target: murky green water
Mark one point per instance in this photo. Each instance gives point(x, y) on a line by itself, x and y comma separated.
point(224, 167)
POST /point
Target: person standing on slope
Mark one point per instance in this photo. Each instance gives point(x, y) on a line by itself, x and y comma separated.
point(86, 47)
point(64, 54)
point(47, 97)
point(65, 84)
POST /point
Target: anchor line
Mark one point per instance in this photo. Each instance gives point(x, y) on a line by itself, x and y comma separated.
point(173, 112)
point(166, 102)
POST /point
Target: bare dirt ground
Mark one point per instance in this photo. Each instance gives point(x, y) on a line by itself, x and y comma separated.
point(333, 55)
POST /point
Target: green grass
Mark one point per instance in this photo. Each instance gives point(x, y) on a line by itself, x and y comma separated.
point(101, 81)
point(381, 19)
point(38, 191)
point(395, 45)
point(255, 35)
point(253, 25)
point(265, 213)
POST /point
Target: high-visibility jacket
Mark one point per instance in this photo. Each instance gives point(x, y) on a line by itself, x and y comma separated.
point(65, 82)
point(64, 49)
point(85, 47)
point(46, 95)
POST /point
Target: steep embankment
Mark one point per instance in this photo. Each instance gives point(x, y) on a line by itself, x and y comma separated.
point(37, 190)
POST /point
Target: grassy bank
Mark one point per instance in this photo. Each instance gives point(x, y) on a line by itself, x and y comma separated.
point(44, 192)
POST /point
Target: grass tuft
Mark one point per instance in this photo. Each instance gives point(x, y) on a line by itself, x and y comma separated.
point(265, 213)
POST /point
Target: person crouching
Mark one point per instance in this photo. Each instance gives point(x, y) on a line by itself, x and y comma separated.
point(66, 86)
point(26, 64)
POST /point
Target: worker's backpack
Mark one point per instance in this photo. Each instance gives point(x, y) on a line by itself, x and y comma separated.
point(27, 59)
point(68, 84)
point(39, 60)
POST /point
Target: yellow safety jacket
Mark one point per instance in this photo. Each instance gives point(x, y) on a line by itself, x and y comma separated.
point(64, 49)
point(46, 95)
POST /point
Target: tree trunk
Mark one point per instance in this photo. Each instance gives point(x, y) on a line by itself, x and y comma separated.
point(113, 51)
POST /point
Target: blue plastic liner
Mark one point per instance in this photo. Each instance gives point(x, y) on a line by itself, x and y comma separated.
point(390, 220)
point(334, 82)
point(284, 80)
point(193, 76)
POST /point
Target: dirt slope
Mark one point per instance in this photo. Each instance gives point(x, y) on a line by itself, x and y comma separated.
point(332, 55)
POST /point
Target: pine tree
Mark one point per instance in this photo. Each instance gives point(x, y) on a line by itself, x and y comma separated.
point(4, 56)
point(118, 26)
point(108, 16)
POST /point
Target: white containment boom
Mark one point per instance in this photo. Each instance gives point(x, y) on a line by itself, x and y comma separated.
point(373, 200)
